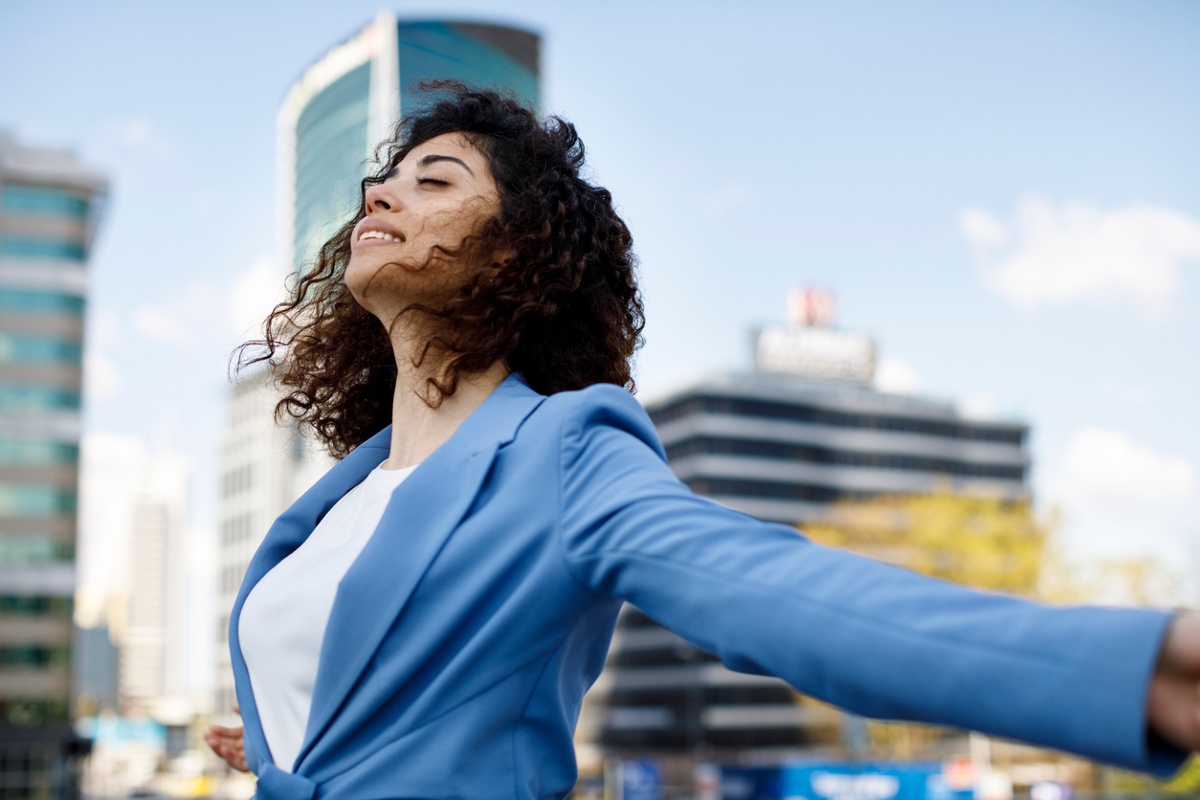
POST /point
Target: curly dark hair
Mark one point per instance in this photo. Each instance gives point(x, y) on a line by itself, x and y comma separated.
point(562, 307)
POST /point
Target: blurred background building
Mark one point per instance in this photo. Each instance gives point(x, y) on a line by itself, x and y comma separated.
point(804, 431)
point(154, 622)
point(331, 120)
point(50, 205)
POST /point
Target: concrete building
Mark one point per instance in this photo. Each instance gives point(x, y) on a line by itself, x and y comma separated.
point(802, 431)
point(332, 118)
point(49, 208)
point(263, 468)
point(152, 644)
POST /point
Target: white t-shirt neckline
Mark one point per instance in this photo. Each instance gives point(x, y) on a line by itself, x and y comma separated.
point(284, 618)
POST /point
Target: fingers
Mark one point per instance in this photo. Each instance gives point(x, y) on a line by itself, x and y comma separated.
point(221, 730)
point(227, 743)
point(1174, 699)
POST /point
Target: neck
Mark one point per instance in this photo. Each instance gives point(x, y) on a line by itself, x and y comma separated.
point(418, 429)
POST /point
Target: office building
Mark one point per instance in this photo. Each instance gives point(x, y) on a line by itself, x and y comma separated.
point(49, 209)
point(152, 642)
point(804, 430)
point(263, 468)
point(331, 119)
point(350, 99)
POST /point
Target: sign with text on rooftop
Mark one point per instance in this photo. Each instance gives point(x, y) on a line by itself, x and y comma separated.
point(815, 353)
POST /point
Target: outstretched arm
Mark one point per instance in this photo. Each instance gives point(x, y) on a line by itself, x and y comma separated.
point(877, 640)
point(1174, 700)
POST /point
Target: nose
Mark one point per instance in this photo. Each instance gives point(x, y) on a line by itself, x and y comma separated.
point(382, 197)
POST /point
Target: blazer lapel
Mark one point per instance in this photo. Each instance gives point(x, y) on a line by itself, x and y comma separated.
point(420, 517)
point(286, 534)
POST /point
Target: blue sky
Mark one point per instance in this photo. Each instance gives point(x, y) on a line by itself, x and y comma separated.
point(1004, 195)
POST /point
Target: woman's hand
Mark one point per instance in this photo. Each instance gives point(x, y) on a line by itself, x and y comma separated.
point(1174, 704)
point(228, 744)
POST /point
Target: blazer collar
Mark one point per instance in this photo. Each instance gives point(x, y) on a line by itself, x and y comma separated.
point(432, 501)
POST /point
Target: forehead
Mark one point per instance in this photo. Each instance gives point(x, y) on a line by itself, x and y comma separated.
point(448, 144)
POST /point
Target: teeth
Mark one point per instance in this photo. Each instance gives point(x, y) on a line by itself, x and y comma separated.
point(378, 235)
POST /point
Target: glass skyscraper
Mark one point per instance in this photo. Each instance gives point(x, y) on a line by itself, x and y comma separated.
point(49, 207)
point(347, 102)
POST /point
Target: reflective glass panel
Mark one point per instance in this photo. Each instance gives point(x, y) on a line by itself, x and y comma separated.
point(35, 500)
point(36, 452)
point(20, 348)
point(49, 200)
point(27, 300)
point(36, 398)
point(34, 247)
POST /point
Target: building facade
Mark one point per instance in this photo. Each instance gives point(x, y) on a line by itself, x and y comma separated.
point(332, 118)
point(350, 100)
point(263, 468)
point(49, 209)
point(152, 668)
point(783, 443)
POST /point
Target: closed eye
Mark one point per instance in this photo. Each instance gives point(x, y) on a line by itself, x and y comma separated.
point(432, 181)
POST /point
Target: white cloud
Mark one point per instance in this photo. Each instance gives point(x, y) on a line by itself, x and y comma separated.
point(101, 378)
point(193, 318)
point(897, 376)
point(160, 325)
point(982, 228)
point(1121, 498)
point(254, 294)
point(1108, 469)
point(978, 405)
point(1073, 252)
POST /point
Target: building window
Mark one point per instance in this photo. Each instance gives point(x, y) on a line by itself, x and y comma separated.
point(23, 348)
point(37, 247)
point(812, 454)
point(34, 657)
point(29, 301)
point(825, 417)
point(33, 712)
point(36, 606)
point(43, 200)
point(37, 398)
point(35, 500)
point(18, 551)
point(37, 453)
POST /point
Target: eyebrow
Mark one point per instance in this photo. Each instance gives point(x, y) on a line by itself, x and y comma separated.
point(433, 158)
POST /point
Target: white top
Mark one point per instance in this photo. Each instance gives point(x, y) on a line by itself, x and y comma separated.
point(284, 617)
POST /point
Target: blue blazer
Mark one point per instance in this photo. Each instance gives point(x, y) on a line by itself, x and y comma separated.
point(463, 638)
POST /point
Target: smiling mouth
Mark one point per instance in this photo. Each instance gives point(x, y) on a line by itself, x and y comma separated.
point(387, 237)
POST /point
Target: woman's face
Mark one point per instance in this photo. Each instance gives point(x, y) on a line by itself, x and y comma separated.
point(435, 197)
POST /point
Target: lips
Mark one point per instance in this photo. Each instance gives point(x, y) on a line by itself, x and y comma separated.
point(372, 230)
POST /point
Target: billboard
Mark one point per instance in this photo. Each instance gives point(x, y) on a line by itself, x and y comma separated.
point(910, 781)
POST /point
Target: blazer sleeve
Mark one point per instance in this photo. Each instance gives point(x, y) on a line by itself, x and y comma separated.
point(872, 638)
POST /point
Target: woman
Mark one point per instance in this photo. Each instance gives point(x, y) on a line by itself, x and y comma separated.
point(425, 620)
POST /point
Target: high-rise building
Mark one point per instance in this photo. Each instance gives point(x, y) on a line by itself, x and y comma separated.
point(152, 643)
point(349, 100)
point(263, 468)
point(332, 118)
point(804, 430)
point(49, 208)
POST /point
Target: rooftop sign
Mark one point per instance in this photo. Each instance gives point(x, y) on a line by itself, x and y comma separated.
point(815, 353)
